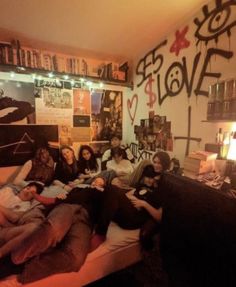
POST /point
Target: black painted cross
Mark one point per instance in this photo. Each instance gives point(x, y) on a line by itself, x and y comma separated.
point(188, 137)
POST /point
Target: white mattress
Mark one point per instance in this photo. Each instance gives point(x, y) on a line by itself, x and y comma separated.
point(120, 250)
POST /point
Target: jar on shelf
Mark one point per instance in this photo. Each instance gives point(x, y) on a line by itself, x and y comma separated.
point(220, 89)
point(211, 102)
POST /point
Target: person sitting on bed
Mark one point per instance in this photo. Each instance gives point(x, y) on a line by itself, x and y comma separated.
point(66, 171)
point(139, 208)
point(116, 142)
point(40, 168)
point(88, 165)
point(72, 219)
point(118, 163)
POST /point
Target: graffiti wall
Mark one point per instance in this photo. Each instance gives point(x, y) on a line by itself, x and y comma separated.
point(173, 78)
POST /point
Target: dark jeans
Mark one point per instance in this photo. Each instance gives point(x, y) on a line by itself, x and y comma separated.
point(117, 207)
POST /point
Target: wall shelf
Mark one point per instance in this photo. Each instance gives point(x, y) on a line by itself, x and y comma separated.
point(76, 77)
point(219, 121)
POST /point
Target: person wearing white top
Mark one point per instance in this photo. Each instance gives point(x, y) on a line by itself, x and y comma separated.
point(116, 142)
point(121, 166)
point(12, 205)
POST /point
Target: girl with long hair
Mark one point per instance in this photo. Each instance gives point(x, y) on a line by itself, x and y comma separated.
point(66, 172)
point(88, 164)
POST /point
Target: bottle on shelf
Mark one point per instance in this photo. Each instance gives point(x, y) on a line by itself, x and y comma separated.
point(219, 137)
point(211, 102)
point(220, 89)
point(226, 143)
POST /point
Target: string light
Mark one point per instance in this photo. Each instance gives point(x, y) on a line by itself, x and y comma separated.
point(12, 74)
point(58, 81)
point(50, 75)
point(66, 77)
point(33, 76)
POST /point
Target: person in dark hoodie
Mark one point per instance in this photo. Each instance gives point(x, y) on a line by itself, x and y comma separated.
point(139, 208)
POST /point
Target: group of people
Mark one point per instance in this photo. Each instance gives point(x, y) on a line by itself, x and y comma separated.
point(74, 222)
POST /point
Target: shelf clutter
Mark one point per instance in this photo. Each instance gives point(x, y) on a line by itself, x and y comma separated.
point(199, 162)
point(20, 59)
point(222, 101)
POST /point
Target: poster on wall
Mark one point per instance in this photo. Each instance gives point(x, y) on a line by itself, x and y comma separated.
point(82, 103)
point(17, 142)
point(54, 106)
point(81, 134)
point(65, 137)
point(106, 114)
point(17, 105)
point(154, 133)
point(81, 121)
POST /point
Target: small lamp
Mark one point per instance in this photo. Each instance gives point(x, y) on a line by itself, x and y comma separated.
point(232, 148)
point(231, 157)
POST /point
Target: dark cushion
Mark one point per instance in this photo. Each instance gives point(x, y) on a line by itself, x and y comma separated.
point(198, 230)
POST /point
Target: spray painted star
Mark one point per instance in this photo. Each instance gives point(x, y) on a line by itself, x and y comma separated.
point(180, 41)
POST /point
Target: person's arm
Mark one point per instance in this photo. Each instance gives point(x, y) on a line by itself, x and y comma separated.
point(44, 200)
point(67, 187)
point(84, 176)
point(20, 178)
point(156, 213)
point(130, 192)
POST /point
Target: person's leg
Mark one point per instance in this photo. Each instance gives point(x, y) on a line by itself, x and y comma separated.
point(147, 232)
point(48, 234)
point(67, 257)
point(14, 236)
point(108, 210)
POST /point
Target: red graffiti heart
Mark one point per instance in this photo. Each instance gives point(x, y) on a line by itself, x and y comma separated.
point(130, 103)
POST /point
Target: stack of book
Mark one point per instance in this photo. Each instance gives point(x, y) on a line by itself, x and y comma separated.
point(199, 162)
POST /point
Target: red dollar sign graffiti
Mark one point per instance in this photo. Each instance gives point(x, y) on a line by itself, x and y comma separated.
point(150, 93)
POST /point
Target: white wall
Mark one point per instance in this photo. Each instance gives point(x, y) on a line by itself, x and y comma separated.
point(176, 108)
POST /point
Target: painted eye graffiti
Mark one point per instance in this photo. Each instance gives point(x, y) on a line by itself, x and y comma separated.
point(216, 22)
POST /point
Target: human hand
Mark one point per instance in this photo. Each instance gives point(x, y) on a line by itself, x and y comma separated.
point(137, 203)
point(72, 184)
point(67, 188)
point(62, 196)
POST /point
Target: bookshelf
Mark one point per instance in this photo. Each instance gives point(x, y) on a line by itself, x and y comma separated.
point(26, 60)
